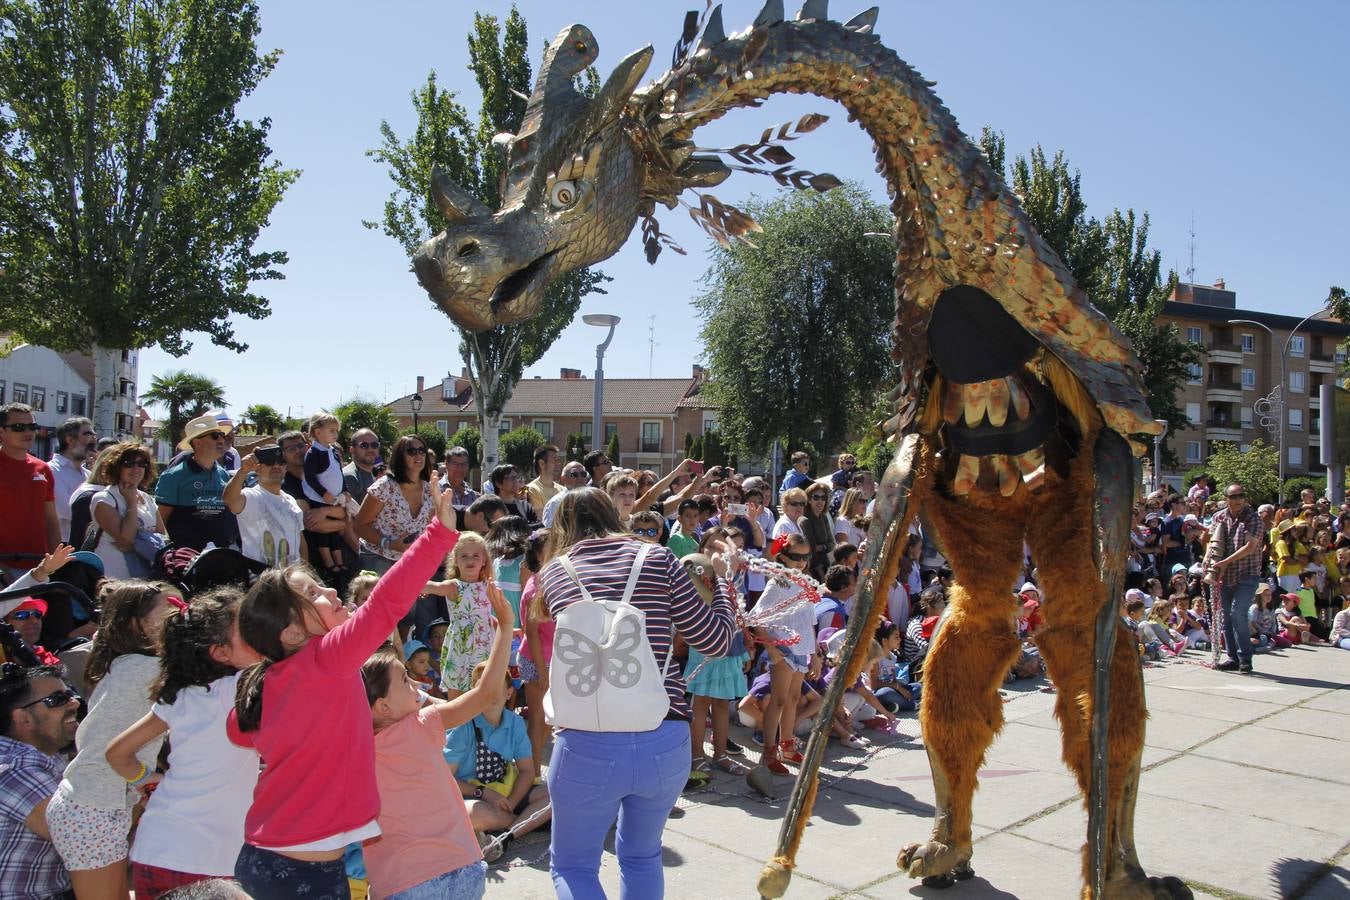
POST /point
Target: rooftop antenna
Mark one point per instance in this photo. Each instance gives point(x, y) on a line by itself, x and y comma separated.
point(651, 344)
point(1190, 270)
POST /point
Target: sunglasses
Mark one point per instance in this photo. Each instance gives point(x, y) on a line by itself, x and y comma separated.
point(135, 464)
point(213, 435)
point(794, 503)
point(1236, 496)
point(821, 497)
point(21, 427)
point(367, 445)
point(415, 451)
point(647, 532)
point(54, 700)
point(798, 557)
point(24, 614)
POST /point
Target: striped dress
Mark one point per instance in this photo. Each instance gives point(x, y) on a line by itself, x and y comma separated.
point(664, 592)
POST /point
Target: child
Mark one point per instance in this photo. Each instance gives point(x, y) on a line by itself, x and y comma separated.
point(506, 541)
point(1307, 604)
point(536, 651)
point(1149, 647)
point(1340, 626)
point(837, 601)
point(1294, 628)
point(646, 525)
point(323, 486)
point(1192, 628)
point(750, 710)
point(469, 635)
point(90, 816)
point(896, 692)
point(682, 541)
point(491, 759)
point(417, 660)
point(436, 629)
point(1158, 626)
point(193, 826)
point(859, 704)
point(788, 663)
point(426, 845)
point(358, 590)
point(845, 555)
point(715, 683)
point(305, 710)
point(1265, 624)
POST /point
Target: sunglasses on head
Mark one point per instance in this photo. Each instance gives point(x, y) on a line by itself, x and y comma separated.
point(21, 427)
point(368, 445)
point(23, 614)
point(54, 700)
point(798, 557)
point(647, 532)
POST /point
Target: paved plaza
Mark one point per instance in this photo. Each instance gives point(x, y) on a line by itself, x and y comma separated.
point(1246, 793)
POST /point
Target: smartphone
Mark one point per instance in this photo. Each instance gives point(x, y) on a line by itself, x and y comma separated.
point(269, 455)
point(738, 509)
point(695, 468)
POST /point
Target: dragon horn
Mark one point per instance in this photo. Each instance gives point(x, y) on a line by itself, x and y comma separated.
point(814, 9)
point(863, 22)
point(771, 14)
point(713, 33)
point(455, 203)
point(619, 87)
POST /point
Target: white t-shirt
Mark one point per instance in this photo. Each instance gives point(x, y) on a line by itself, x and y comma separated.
point(783, 526)
point(851, 532)
point(194, 821)
point(269, 526)
point(68, 477)
point(114, 563)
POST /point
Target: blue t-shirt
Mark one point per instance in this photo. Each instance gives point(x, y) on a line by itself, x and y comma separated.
point(200, 516)
point(509, 739)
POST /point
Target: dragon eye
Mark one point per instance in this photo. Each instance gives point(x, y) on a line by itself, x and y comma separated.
point(469, 249)
point(563, 194)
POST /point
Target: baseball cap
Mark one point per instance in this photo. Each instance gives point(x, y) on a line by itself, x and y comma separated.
point(1136, 594)
point(30, 603)
point(1178, 568)
point(89, 558)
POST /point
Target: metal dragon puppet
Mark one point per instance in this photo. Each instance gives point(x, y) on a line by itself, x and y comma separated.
point(1016, 400)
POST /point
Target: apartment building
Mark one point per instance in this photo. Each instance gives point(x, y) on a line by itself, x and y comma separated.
point(1240, 367)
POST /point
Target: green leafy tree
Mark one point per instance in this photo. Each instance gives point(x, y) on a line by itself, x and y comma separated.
point(688, 445)
point(576, 447)
point(265, 419)
point(696, 451)
point(798, 328)
point(1111, 262)
point(1339, 303)
point(518, 446)
point(470, 439)
point(184, 396)
point(1293, 486)
point(130, 194)
point(432, 437)
point(446, 136)
point(714, 454)
point(612, 448)
point(355, 414)
point(1257, 469)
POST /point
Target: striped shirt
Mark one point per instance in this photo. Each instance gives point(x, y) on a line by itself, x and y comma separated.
point(663, 591)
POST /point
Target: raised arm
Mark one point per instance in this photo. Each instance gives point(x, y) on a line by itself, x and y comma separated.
point(647, 499)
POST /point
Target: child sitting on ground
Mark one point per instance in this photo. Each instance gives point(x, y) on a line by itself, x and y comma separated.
point(491, 759)
point(887, 678)
point(1265, 624)
point(859, 705)
point(836, 601)
point(750, 709)
point(1158, 626)
point(417, 660)
point(1340, 626)
point(1134, 618)
point(1191, 626)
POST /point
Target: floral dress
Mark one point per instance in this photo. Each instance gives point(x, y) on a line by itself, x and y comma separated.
point(469, 636)
point(395, 518)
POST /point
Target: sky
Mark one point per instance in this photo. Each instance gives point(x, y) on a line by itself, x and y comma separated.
point(1228, 119)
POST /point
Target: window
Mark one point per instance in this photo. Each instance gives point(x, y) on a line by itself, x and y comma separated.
point(651, 437)
point(77, 405)
point(1297, 345)
point(1298, 382)
point(1314, 422)
point(1295, 420)
point(62, 401)
point(503, 426)
point(2, 390)
point(1249, 343)
point(544, 427)
point(709, 422)
point(1246, 417)
point(1193, 413)
point(20, 393)
point(611, 429)
point(1192, 451)
point(1194, 335)
point(1339, 355)
point(1249, 379)
point(586, 433)
point(1195, 373)
point(1296, 456)
point(443, 426)
point(39, 401)
point(1244, 448)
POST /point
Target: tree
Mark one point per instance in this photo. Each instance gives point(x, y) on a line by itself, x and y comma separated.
point(612, 448)
point(688, 444)
point(518, 446)
point(499, 59)
point(797, 328)
point(576, 447)
point(355, 414)
point(1256, 469)
point(470, 439)
point(130, 194)
point(1111, 262)
point(265, 419)
point(432, 437)
point(184, 396)
point(714, 454)
point(696, 451)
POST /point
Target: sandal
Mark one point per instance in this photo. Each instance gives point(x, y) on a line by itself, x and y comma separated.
point(854, 741)
point(700, 773)
point(730, 764)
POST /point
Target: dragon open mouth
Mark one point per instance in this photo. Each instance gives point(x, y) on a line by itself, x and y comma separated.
point(513, 285)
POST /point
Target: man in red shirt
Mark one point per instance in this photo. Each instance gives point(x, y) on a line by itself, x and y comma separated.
point(28, 524)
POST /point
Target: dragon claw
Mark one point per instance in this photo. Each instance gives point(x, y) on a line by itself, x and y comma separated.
point(1132, 884)
point(935, 861)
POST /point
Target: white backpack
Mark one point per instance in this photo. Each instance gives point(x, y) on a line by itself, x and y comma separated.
point(603, 676)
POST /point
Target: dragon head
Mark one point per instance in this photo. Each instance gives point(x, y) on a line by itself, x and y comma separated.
point(570, 198)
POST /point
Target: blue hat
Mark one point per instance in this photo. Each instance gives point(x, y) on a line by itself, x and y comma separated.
point(412, 646)
point(89, 559)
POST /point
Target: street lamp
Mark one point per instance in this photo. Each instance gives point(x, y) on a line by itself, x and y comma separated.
point(416, 404)
point(1273, 404)
point(1157, 452)
point(600, 320)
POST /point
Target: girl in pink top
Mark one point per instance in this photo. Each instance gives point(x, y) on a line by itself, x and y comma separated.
point(304, 709)
point(426, 845)
point(536, 651)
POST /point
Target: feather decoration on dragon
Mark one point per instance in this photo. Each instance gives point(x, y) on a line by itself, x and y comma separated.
point(1018, 408)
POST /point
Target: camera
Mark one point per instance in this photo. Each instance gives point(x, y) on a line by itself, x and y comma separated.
point(269, 455)
point(738, 509)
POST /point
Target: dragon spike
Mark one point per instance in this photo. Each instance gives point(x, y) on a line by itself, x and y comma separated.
point(814, 9)
point(771, 14)
point(863, 22)
point(455, 203)
point(713, 32)
point(619, 87)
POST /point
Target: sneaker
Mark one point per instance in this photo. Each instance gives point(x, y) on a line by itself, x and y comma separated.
point(854, 741)
point(1227, 665)
point(734, 749)
point(756, 738)
point(1178, 647)
point(485, 840)
point(1245, 668)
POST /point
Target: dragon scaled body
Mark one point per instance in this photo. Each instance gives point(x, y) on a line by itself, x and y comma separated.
point(1018, 402)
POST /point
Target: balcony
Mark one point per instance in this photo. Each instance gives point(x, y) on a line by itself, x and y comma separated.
point(1225, 352)
point(1322, 362)
point(1223, 429)
point(1228, 390)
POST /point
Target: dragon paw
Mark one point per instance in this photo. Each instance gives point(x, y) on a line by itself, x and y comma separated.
point(1133, 884)
point(939, 865)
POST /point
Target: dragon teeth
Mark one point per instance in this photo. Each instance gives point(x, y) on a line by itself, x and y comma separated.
point(1009, 479)
point(1021, 403)
point(999, 397)
point(977, 401)
point(967, 473)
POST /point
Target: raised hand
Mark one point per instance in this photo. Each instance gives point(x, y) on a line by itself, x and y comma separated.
point(443, 503)
point(53, 561)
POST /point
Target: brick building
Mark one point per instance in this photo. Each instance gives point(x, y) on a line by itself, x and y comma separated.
point(1241, 366)
point(651, 416)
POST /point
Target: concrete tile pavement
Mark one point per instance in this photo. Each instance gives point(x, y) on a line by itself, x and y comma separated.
point(1245, 794)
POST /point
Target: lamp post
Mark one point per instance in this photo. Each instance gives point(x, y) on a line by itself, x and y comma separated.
point(600, 320)
point(416, 404)
point(1157, 453)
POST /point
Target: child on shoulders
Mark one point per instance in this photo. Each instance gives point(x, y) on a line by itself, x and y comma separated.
point(323, 486)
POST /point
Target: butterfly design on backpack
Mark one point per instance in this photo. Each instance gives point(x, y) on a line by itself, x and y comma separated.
point(590, 662)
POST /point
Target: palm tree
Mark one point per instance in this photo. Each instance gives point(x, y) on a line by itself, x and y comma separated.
point(265, 419)
point(185, 395)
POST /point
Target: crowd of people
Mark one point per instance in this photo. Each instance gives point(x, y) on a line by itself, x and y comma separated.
point(325, 671)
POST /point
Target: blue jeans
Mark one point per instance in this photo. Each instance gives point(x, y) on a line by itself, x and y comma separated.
point(1237, 629)
point(465, 883)
point(896, 702)
point(595, 778)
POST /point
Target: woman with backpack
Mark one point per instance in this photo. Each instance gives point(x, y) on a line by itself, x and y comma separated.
point(622, 747)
